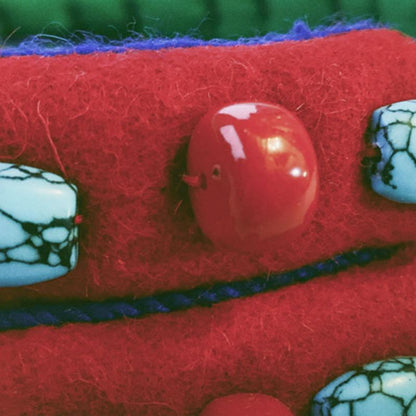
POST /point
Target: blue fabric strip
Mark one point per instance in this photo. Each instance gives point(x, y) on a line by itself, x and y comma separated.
point(78, 312)
point(86, 43)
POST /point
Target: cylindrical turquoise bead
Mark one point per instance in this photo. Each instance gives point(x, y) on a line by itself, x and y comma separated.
point(393, 132)
point(38, 233)
point(382, 388)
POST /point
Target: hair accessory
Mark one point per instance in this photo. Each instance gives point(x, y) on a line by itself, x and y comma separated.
point(252, 175)
point(393, 132)
point(38, 223)
point(384, 388)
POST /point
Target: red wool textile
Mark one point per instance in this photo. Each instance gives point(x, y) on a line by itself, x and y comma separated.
point(287, 344)
point(120, 123)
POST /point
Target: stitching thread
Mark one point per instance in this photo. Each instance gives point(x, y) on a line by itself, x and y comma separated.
point(93, 312)
point(83, 42)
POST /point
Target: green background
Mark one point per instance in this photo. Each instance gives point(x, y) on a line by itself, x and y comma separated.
point(204, 18)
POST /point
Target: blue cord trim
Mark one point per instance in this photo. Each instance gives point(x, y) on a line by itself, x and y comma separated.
point(86, 43)
point(62, 313)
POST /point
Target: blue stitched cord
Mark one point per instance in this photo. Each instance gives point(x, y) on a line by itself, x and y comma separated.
point(86, 43)
point(58, 314)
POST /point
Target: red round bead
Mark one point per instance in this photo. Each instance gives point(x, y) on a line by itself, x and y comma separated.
point(245, 404)
point(257, 176)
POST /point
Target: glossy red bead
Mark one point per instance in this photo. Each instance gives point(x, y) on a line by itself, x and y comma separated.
point(245, 404)
point(257, 176)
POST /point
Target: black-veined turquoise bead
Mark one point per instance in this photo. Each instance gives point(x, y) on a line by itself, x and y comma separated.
point(382, 388)
point(38, 233)
point(393, 132)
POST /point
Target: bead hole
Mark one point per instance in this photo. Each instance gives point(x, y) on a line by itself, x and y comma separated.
point(372, 156)
point(216, 172)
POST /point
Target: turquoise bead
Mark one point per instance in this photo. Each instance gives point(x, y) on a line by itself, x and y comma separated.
point(38, 234)
point(393, 132)
point(383, 388)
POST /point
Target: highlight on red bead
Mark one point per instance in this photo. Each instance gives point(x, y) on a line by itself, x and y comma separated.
point(246, 404)
point(260, 176)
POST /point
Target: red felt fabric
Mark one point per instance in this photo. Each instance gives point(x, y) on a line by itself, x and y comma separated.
point(120, 123)
point(287, 344)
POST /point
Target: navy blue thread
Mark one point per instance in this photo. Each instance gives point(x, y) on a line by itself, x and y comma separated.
point(85, 43)
point(77, 312)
